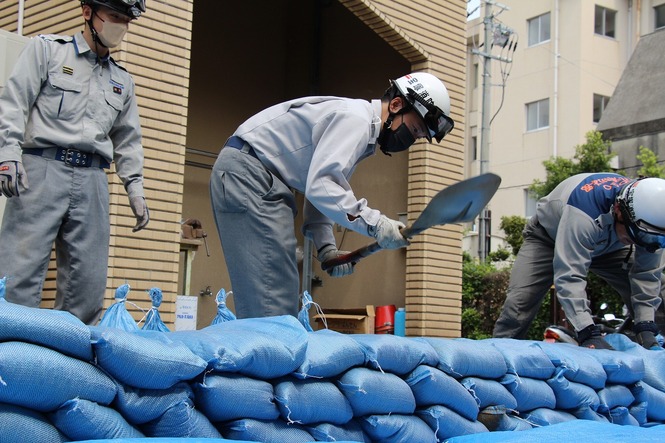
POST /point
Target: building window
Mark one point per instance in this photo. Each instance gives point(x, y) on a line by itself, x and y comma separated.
point(529, 204)
point(605, 22)
point(659, 13)
point(599, 104)
point(538, 115)
point(474, 148)
point(539, 29)
point(475, 73)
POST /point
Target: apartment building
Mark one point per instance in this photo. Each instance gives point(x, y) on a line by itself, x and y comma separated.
point(554, 67)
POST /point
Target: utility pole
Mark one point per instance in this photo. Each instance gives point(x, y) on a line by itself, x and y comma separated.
point(500, 35)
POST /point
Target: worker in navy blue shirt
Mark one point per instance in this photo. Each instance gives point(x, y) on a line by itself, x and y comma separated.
point(603, 223)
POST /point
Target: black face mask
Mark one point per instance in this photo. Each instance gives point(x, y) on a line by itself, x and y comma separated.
point(397, 140)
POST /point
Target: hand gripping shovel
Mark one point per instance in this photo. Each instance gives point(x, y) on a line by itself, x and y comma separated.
point(458, 203)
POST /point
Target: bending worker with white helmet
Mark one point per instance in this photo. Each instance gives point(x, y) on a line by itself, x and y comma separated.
point(591, 223)
point(68, 111)
point(311, 145)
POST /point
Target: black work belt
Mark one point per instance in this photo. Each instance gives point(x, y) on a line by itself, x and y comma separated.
point(72, 157)
point(237, 143)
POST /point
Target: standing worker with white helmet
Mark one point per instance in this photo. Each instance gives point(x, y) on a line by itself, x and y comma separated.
point(67, 112)
point(311, 145)
point(591, 223)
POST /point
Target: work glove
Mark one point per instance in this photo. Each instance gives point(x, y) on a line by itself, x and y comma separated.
point(140, 210)
point(12, 174)
point(328, 252)
point(387, 235)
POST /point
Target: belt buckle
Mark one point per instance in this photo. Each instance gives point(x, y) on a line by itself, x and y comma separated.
point(76, 158)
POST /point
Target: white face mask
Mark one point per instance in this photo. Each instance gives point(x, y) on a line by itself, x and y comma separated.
point(112, 33)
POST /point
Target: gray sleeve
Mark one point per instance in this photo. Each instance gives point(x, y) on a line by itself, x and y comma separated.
point(127, 147)
point(573, 250)
point(19, 95)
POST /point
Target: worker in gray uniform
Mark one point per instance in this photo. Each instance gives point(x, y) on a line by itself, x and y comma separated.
point(591, 223)
point(311, 145)
point(68, 111)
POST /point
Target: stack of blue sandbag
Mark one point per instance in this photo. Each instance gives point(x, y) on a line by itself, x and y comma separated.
point(276, 380)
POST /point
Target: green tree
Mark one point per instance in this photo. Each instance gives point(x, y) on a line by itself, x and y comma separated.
point(513, 226)
point(650, 166)
point(592, 156)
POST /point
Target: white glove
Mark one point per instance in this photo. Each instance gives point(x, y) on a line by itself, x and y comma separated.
point(140, 210)
point(329, 252)
point(12, 174)
point(387, 235)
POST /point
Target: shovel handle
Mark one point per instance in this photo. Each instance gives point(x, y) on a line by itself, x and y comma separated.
point(365, 251)
point(351, 257)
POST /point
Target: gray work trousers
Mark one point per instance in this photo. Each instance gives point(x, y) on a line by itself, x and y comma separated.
point(68, 206)
point(532, 276)
point(254, 213)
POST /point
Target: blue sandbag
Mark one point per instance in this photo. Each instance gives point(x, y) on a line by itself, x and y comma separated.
point(575, 430)
point(621, 416)
point(654, 360)
point(432, 386)
point(116, 315)
point(547, 417)
point(570, 395)
point(139, 405)
point(585, 412)
point(311, 401)
point(223, 312)
point(20, 425)
point(351, 431)
point(81, 419)
point(329, 354)
point(612, 396)
point(153, 321)
point(655, 400)
point(225, 397)
point(57, 330)
point(447, 423)
point(529, 393)
point(620, 367)
point(463, 357)
point(42, 379)
point(273, 431)
point(373, 392)
point(262, 348)
point(397, 428)
point(639, 411)
point(181, 420)
point(398, 355)
point(524, 358)
point(489, 392)
point(145, 359)
point(497, 419)
point(579, 366)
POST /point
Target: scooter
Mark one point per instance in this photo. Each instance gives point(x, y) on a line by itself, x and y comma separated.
point(609, 324)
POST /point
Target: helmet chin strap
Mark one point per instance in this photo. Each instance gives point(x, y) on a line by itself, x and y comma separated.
point(95, 37)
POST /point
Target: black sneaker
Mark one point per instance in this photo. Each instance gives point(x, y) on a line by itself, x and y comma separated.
point(646, 334)
point(591, 337)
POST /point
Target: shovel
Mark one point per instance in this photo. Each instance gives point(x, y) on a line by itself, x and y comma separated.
point(458, 203)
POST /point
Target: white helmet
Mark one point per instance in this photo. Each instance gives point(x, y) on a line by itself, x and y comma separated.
point(429, 97)
point(641, 204)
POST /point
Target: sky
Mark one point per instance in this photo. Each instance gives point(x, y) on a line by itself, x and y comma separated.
point(470, 6)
